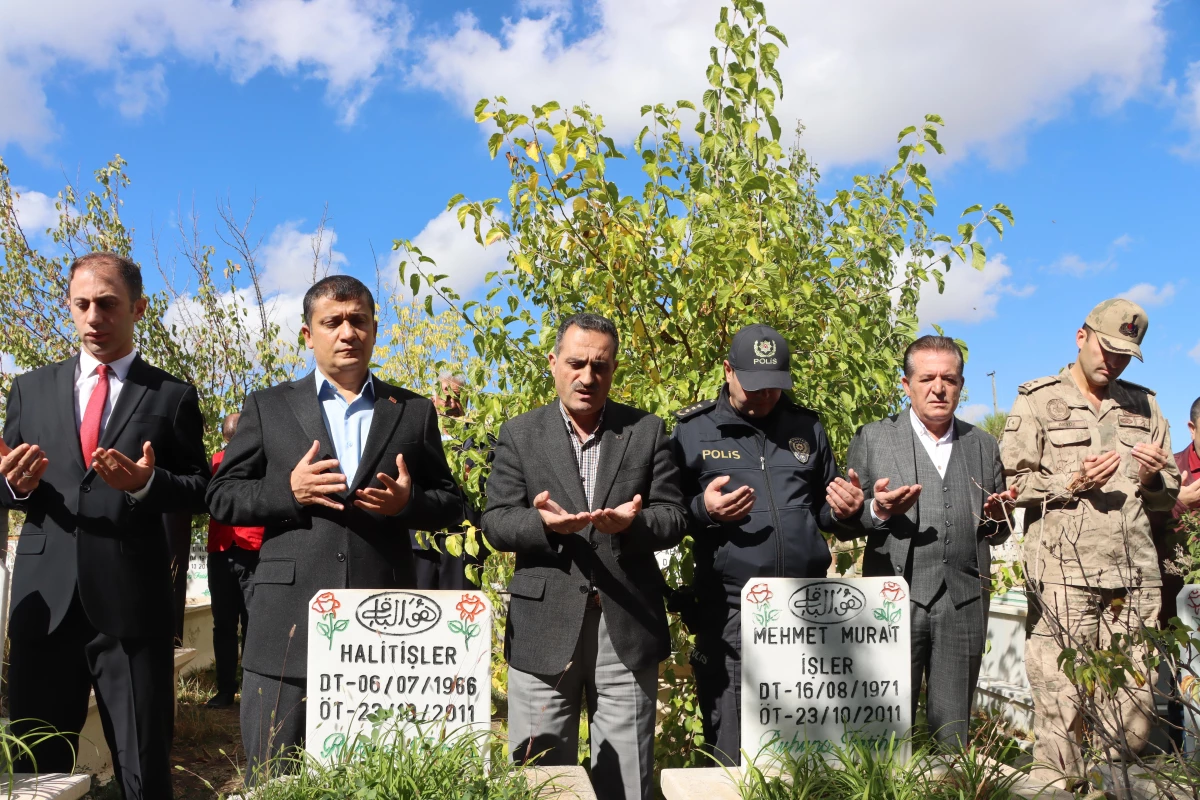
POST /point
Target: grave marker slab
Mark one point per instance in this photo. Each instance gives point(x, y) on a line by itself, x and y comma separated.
point(825, 662)
point(1188, 609)
point(426, 656)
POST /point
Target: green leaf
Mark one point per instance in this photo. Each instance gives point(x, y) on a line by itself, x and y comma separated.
point(971, 209)
point(414, 283)
point(978, 256)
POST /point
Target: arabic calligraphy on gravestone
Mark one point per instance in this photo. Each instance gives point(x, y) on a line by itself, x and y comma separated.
point(423, 656)
point(825, 663)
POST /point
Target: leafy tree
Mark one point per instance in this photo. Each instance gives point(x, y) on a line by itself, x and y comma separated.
point(994, 423)
point(731, 226)
point(221, 339)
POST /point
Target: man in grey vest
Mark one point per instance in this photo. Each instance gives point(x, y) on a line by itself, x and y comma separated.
point(935, 502)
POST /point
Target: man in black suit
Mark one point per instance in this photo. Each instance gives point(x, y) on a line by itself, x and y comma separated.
point(584, 491)
point(337, 466)
point(96, 449)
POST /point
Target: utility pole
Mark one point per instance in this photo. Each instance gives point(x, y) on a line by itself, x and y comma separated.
point(995, 404)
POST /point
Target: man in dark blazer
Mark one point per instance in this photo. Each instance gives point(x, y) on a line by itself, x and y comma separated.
point(584, 491)
point(96, 449)
point(935, 503)
point(337, 466)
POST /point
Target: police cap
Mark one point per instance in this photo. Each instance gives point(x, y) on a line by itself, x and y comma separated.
point(761, 359)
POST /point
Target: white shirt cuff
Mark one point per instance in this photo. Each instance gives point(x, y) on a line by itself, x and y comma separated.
point(141, 493)
point(13, 492)
point(875, 516)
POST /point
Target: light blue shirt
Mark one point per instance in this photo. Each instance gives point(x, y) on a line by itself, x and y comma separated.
point(348, 423)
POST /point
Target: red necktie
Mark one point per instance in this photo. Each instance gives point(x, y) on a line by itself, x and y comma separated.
point(89, 429)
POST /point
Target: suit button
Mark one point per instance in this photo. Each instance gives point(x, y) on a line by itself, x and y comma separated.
point(945, 488)
point(85, 488)
point(583, 590)
point(596, 544)
point(341, 556)
point(947, 505)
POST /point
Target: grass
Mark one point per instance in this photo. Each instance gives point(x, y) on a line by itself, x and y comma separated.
point(861, 770)
point(390, 765)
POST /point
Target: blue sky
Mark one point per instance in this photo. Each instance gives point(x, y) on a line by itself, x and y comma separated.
point(1083, 116)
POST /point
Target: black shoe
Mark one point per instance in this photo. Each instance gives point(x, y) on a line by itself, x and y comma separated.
point(220, 700)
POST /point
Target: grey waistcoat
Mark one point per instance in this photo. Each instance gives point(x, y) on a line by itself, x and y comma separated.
point(947, 532)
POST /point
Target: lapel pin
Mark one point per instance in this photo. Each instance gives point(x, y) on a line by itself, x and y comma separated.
point(391, 399)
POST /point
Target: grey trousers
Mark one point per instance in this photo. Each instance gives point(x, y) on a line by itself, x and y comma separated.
point(947, 651)
point(543, 715)
point(272, 723)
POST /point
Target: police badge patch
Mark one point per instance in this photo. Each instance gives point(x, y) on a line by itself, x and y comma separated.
point(764, 348)
point(801, 449)
point(1058, 409)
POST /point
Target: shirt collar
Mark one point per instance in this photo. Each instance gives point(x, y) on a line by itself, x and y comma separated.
point(325, 386)
point(119, 368)
point(571, 427)
point(921, 430)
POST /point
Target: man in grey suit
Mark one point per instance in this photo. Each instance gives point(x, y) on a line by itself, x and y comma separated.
point(935, 502)
point(337, 466)
point(584, 491)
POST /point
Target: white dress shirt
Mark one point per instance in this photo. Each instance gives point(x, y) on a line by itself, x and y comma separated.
point(86, 380)
point(938, 449)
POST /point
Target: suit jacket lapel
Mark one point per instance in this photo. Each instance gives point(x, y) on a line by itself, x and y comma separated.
point(904, 451)
point(384, 418)
point(132, 391)
point(307, 408)
point(562, 460)
point(613, 441)
point(64, 398)
point(972, 450)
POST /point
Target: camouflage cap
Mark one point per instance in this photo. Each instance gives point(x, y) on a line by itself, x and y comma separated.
point(1120, 325)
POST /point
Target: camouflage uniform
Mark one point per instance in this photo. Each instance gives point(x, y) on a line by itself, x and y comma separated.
point(1090, 560)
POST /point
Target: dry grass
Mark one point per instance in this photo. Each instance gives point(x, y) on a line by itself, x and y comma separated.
point(208, 748)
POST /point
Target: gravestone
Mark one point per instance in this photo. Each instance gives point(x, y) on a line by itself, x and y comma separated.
point(197, 577)
point(825, 664)
point(424, 656)
point(1188, 605)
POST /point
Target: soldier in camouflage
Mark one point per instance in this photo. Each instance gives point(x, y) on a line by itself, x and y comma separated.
point(1089, 456)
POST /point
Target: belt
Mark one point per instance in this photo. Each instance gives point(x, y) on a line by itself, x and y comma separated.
point(593, 599)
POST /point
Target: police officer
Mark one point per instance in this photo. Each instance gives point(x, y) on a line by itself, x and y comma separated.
point(1089, 455)
point(760, 483)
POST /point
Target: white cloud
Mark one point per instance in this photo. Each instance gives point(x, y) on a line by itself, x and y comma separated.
point(1072, 264)
point(283, 309)
point(1195, 353)
point(1147, 294)
point(1189, 112)
point(456, 252)
point(287, 257)
point(970, 295)
point(973, 413)
point(137, 91)
point(852, 76)
point(35, 212)
point(347, 44)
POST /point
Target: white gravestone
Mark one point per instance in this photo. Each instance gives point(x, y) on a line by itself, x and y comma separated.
point(1188, 605)
point(425, 656)
point(825, 664)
